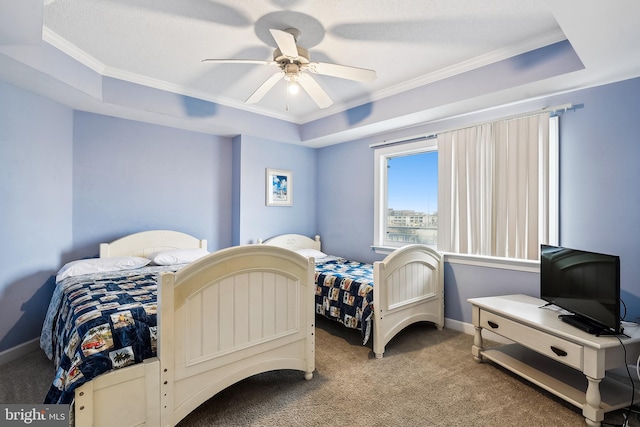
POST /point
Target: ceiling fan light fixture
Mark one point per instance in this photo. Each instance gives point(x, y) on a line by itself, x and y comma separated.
point(292, 87)
point(291, 77)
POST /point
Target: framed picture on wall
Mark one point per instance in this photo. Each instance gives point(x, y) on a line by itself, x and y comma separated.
point(279, 189)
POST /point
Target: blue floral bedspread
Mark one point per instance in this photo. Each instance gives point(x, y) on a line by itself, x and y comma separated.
point(99, 322)
point(344, 293)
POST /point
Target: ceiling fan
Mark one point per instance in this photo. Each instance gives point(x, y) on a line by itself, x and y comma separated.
point(293, 62)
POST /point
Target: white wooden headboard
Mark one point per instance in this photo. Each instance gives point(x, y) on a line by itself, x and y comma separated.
point(148, 242)
point(293, 242)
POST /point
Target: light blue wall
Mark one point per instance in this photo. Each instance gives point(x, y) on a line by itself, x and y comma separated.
point(60, 197)
point(72, 180)
point(599, 173)
point(130, 176)
point(346, 200)
point(599, 205)
point(209, 115)
point(256, 220)
point(468, 281)
point(35, 205)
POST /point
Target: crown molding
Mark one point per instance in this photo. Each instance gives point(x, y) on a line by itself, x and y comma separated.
point(492, 57)
point(444, 73)
point(72, 50)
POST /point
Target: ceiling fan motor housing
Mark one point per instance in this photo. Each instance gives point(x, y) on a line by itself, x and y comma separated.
point(303, 56)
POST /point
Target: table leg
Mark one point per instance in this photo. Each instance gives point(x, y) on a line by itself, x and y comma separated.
point(592, 412)
point(476, 349)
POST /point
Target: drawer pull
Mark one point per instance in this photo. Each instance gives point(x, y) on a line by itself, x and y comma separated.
point(559, 352)
point(493, 324)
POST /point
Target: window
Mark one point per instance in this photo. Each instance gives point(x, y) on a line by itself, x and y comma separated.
point(412, 199)
point(489, 190)
point(407, 194)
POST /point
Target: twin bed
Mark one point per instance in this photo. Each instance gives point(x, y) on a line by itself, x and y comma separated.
point(155, 342)
point(380, 299)
point(227, 316)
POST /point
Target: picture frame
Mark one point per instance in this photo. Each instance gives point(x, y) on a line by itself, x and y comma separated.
point(279, 187)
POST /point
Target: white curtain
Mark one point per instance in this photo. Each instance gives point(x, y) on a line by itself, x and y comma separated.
point(465, 165)
point(490, 190)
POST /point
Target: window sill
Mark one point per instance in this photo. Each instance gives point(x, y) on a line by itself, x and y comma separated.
point(532, 266)
point(478, 260)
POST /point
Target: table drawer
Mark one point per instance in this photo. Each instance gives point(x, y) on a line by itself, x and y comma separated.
point(559, 349)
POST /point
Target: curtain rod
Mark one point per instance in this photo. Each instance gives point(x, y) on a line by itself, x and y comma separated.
point(561, 109)
point(402, 141)
point(553, 111)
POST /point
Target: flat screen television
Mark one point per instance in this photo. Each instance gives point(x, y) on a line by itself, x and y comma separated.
point(586, 284)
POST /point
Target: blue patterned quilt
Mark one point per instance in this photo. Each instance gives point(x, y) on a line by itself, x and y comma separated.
point(344, 292)
point(103, 321)
point(99, 322)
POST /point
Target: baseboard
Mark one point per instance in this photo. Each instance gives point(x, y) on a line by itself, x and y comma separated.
point(19, 351)
point(469, 329)
point(459, 326)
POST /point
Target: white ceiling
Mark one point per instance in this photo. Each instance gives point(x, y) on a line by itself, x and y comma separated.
point(160, 43)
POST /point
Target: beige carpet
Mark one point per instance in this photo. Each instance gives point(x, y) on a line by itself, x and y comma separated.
point(427, 378)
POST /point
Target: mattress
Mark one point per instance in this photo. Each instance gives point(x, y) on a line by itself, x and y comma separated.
point(344, 293)
point(98, 322)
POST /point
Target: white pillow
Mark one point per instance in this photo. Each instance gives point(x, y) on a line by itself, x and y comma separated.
point(97, 265)
point(311, 253)
point(177, 256)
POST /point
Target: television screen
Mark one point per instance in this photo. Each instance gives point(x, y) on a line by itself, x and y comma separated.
point(586, 284)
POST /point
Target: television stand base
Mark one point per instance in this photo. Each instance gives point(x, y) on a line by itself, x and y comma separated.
point(583, 324)
point(567, 362)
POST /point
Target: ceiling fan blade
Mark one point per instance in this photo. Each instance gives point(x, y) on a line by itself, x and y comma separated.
point(240, 61)
point(342, 71)
point(265, 87)
point(314, 90)
point(286, 43)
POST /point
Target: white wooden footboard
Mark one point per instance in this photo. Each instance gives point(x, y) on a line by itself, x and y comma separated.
point(230, 315)
point(124, 397)
point(248, 310)
point(408, 288)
